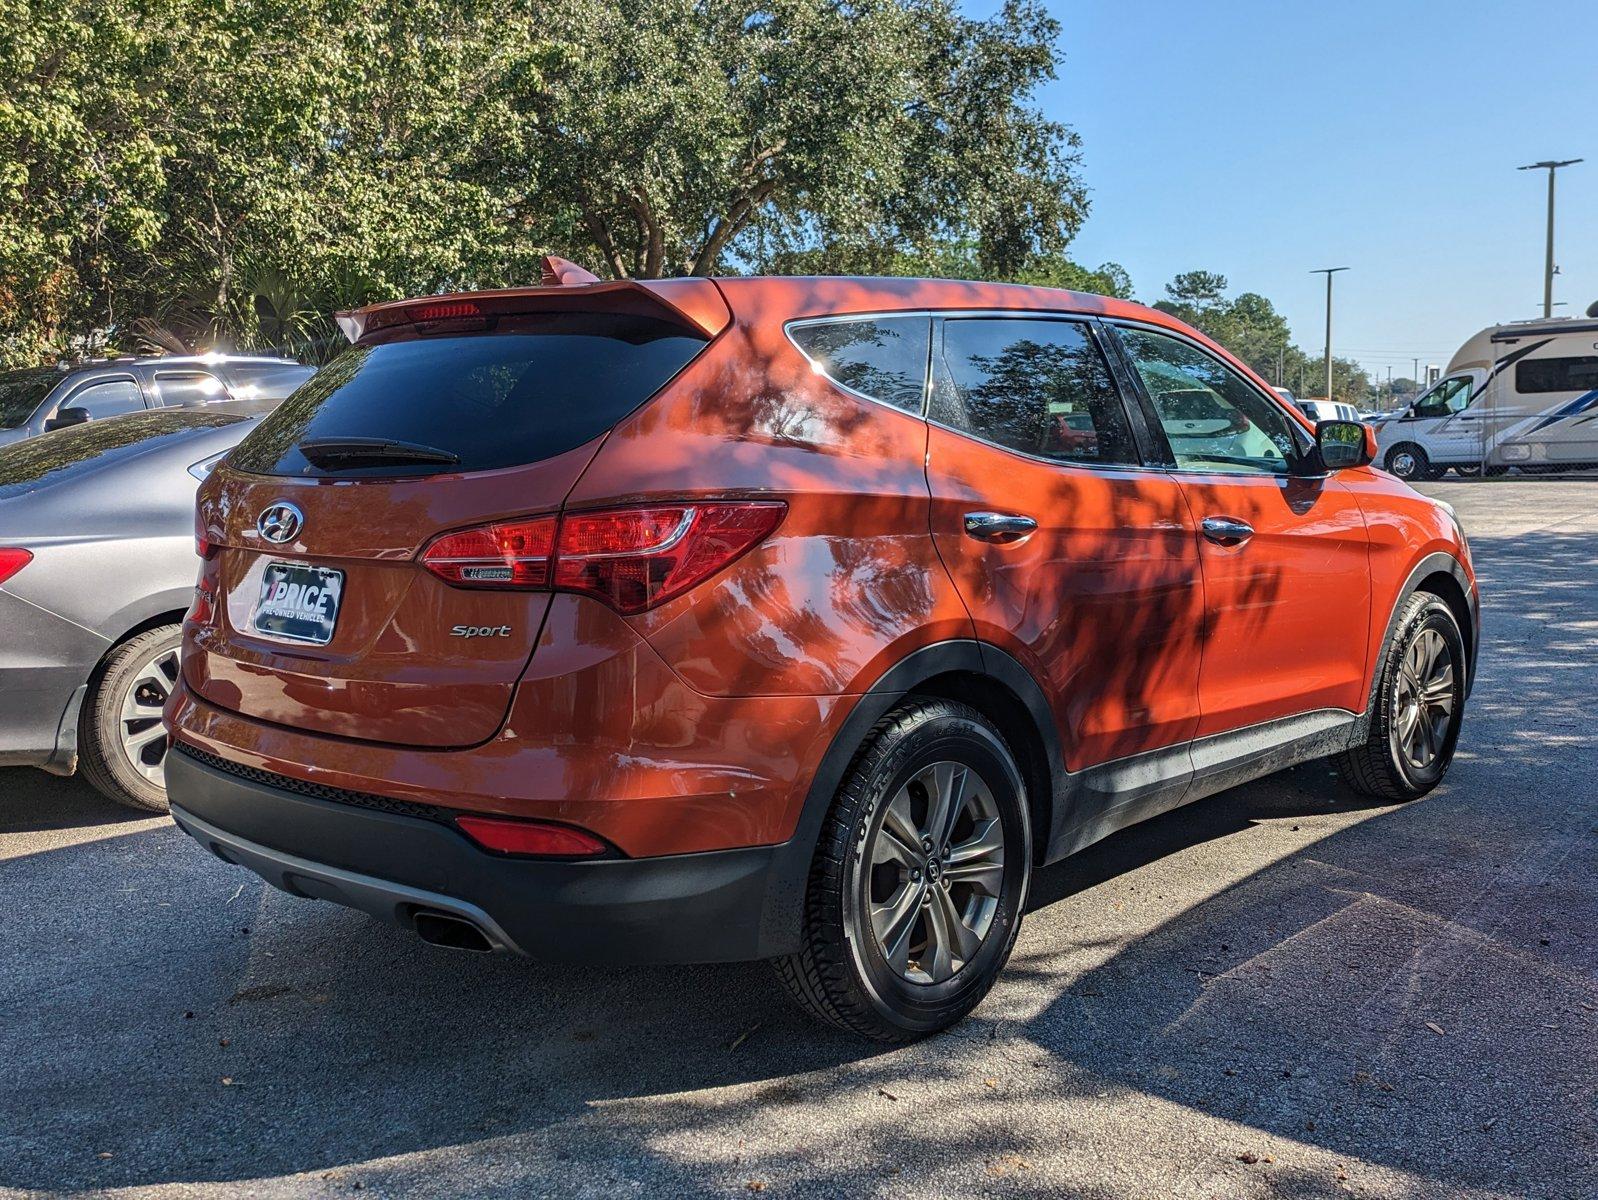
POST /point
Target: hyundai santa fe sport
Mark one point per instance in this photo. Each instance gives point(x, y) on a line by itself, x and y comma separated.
point(798, 619)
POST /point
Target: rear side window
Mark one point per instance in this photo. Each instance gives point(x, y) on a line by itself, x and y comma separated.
point(271, 381)
point(545, 385)
point(884, 358)
point(1038, 386)
point(188, 389)
point(1557, 374)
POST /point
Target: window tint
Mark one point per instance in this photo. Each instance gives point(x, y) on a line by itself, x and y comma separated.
point(1212, 418)
point(546, 385)
point(188, 389)
point(884, 357)
point(1038, 386)
point(107, 399)
point(1557, 374)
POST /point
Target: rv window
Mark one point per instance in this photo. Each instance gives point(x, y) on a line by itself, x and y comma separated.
point(1557, 375)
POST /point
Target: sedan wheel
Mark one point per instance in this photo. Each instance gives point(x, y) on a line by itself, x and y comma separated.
point(121, 742)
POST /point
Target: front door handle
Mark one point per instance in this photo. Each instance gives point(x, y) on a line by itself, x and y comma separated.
point(1227, 531)
point(998, 527)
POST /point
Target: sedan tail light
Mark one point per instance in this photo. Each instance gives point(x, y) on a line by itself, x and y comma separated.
point(631, 558)
point(12, 560)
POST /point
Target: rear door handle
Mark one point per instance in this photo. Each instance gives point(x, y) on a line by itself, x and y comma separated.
point(998, 527)
point(1227, 531)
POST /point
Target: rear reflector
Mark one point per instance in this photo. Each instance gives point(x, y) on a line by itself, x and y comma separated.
point(530, 837)
point(12, 560)
point(631, 558)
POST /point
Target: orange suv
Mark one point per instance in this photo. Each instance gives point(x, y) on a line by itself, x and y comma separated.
point(797, 619)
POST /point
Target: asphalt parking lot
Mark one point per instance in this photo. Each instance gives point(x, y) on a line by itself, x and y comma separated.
point(1279, 991)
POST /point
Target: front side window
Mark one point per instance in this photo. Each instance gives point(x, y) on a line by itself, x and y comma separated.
point(1213, 419)
point(1447, 398)
point(1038, 386)
point(107, 399)
point(188, 389)
point(884, 358)
point(1557, 374)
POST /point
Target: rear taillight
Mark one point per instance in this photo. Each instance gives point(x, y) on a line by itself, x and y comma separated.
point(631, 558)
point(12, 560)
point(507, 554)
point(531, 837)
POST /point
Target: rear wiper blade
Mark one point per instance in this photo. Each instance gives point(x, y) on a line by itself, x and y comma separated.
point(323, 451)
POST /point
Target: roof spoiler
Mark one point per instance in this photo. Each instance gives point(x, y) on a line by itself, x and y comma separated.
point(695, 302)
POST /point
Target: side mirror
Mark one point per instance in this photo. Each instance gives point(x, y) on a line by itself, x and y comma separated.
point(65, 417)
point(1344, 444)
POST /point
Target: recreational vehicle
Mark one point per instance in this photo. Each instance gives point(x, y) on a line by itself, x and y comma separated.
point(1521, 395)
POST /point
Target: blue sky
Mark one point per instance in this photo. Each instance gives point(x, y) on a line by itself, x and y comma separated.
point(1212, 138)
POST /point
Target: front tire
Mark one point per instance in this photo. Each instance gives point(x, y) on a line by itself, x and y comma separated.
point(1408, 461)
point(1419, 704)
point(920, 876)
point(122, 746)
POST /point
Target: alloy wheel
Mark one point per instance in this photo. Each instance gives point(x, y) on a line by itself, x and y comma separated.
point(934, 872)
point(139, 726)
point(1423, 700)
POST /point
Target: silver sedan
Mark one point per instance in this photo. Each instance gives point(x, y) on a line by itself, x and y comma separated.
point(97, 567)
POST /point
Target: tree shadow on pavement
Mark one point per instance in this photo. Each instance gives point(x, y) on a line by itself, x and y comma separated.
point(1416, 992)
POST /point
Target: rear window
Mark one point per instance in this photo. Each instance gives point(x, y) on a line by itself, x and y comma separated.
point(57, 457)
point(534, 388)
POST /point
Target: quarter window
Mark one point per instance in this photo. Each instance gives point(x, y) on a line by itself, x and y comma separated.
point(884, 358)
point(1213, 419)
point(1038, 386)
point(1557, 374)
point(107, 399)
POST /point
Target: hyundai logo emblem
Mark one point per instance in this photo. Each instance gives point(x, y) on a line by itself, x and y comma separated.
point(280, 523)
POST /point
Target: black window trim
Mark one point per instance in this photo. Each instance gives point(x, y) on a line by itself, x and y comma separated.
point(75, 387)
point(843, 318)
point(1151, 414)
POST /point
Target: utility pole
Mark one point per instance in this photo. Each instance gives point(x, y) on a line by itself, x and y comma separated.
point(1415, 374)
point(1328, 272)
point(1281, 354)
point(1548, 257)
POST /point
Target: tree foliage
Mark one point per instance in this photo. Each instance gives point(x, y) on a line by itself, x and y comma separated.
point(1250, 327)
point(235, 169)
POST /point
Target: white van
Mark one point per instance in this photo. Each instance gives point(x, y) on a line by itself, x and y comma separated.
point(1521, 395)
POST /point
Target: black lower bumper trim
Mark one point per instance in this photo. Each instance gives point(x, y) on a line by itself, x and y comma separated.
point(674, 909)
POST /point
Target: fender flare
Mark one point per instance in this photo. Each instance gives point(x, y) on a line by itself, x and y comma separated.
point(782, 915)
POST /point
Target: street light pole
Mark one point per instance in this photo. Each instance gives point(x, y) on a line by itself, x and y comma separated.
point(1328, 272)
point(1548, 257)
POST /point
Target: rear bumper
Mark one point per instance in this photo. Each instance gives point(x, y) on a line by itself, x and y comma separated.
point(715, 906)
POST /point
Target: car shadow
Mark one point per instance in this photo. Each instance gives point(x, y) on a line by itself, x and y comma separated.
point(1417, 990)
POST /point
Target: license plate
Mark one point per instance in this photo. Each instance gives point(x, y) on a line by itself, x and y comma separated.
point(298, 602)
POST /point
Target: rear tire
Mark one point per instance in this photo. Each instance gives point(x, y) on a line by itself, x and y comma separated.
point(1418, 707)
point(902, 940)
point(121, 745)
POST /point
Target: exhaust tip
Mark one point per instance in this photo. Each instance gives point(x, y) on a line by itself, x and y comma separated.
point(452, 932)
